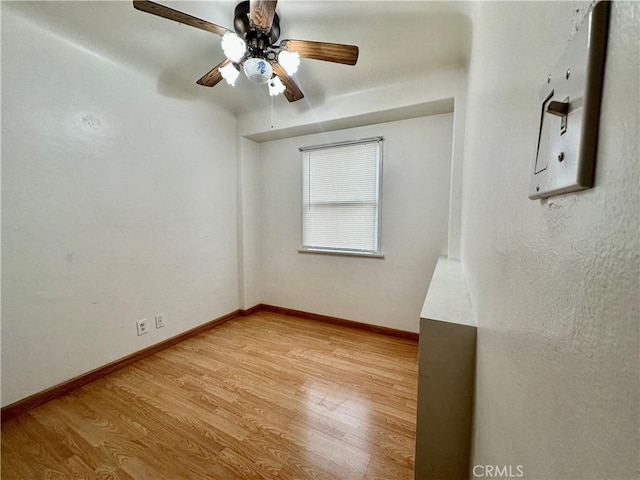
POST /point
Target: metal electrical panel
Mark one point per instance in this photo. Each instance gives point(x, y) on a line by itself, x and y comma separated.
point(570, 112)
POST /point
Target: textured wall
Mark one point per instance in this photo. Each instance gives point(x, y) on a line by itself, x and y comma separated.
point(118, 204)
point(554, 283)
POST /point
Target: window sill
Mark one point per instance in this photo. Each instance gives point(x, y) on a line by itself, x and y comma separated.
point(341, 253)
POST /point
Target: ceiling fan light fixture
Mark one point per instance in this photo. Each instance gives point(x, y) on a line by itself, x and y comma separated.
point(253, 46)
point(258, 70)
point(290, 61)
point(276, 87)
point(230, 73)
point(233, 46)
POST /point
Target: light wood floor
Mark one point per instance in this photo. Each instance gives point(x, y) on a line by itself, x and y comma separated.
point(266, 396)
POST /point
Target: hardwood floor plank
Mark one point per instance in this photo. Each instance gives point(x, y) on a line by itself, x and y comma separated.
point(79, 469)
point(15, 459)
point(267, 396)
point(33, 453)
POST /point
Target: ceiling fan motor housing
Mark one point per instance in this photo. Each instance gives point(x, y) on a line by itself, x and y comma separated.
point(245, 30)
point(257, 66)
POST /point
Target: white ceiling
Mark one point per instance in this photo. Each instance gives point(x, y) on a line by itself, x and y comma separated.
point(398, 41)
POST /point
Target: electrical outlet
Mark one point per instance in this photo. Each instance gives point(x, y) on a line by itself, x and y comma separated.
point(159, 321)
point(141, 325)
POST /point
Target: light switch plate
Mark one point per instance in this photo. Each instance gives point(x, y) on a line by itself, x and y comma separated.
point(567, 143)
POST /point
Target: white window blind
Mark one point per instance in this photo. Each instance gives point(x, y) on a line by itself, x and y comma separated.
point(341, 197)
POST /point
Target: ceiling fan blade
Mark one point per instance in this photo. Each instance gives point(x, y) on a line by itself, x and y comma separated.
point(292, 91)
point(176, 16)
point(213, 76)
point(329, 52)
point(261, 12)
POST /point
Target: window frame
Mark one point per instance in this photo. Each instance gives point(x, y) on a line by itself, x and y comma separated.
point(379, 169)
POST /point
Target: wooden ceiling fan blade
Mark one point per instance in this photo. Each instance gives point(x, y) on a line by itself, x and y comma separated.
point(213, 76)
point(292, 91)
point(176, 16)
point(261, 12)
point(328, 52)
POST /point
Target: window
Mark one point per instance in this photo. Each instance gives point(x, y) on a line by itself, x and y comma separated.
point(341, 197)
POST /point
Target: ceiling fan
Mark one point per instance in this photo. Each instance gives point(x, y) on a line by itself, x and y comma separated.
point(253, 48)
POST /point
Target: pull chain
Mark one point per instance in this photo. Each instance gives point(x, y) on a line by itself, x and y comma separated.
point(271, 111)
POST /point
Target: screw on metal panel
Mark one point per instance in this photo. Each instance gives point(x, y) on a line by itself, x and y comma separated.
point(568, 73)
point(549, 79)
point(561, 156)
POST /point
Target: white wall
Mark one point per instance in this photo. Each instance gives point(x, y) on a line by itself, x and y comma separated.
point(389, 291)
point(118, 204)
point(251, 247)
point(457, 161)
point(554, 283)
point(295, 117)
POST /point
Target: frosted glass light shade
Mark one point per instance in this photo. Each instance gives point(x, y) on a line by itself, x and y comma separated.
point(233, 46)
point(290, 61)
point(276, 87)
point(229, 73)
